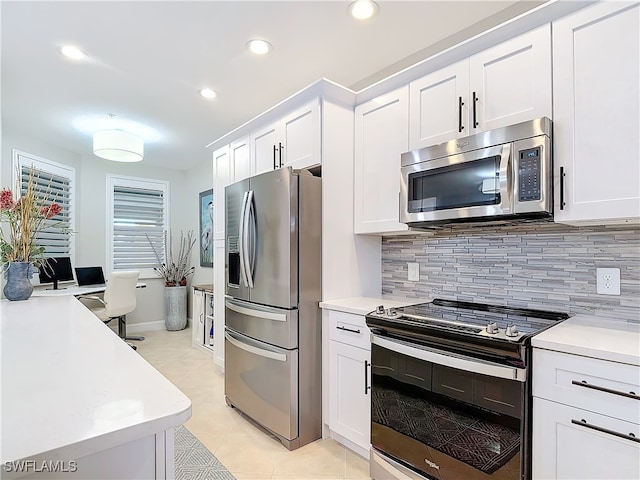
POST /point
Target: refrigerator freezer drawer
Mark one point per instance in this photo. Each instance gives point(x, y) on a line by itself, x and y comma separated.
point(275, 326)
point(262, 381)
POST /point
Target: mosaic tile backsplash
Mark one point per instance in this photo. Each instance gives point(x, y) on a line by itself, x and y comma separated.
point(543, 266)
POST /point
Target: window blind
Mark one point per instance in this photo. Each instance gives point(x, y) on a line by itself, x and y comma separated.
point(138, 219)
point(50, 188)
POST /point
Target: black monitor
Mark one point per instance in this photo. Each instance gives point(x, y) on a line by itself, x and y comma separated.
point(56, 269)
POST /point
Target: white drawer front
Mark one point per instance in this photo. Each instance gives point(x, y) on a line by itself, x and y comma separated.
point(595, 385)
point(350, 329)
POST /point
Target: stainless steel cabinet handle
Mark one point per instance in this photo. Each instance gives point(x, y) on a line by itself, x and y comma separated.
point(460, 104)
point(367, 387)
point(280, 147)
point(629, 436)
point(353, 330)
point(584, 384)
point(274, 157)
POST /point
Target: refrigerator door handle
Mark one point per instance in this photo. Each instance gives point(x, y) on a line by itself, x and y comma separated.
point(254, 232)
point(280, 357)
point(241, 232)
point(244, 258)
point(252, 312)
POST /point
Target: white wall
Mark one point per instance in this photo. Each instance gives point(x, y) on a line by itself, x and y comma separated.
point(91, 224)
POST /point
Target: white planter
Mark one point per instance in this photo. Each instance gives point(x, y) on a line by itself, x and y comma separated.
point(175, 308)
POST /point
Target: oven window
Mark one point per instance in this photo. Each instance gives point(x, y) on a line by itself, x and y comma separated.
point(466, 184)
point(444, 422)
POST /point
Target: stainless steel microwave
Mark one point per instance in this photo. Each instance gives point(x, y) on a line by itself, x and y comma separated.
point(500, 174)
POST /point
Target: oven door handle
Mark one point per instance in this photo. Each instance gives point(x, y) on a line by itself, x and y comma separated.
point(450, 360)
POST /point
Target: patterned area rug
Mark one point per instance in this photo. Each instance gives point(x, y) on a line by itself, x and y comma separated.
point(194, 461)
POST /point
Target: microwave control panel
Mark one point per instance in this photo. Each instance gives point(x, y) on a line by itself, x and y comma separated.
point(529, 175)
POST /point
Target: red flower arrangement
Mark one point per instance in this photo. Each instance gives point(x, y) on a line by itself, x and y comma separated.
point(25, 217)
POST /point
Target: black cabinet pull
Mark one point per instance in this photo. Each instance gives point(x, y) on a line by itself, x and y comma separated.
point(562, 175)
point(583, 423)
point(475, 102)
point(274, 157)
point(280, 147)
point(460, 104)
point(367, 387)
point(584, 384)
point(353, 330)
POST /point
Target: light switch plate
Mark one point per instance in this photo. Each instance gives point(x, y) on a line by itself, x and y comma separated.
point(608, 281)
point(414, 272)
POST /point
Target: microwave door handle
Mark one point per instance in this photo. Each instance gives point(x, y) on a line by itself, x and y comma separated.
point(506, 178)
point(251, 221)
point(243, 273)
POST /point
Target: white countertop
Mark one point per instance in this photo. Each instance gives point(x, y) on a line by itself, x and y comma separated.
point(364, 305)
point(608, 339)
point(71, 387)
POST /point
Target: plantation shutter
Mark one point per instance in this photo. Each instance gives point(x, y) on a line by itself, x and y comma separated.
point(138, 219)
point(49, 188)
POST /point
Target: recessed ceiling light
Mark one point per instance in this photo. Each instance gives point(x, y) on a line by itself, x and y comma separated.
point(259, 47)
point(72, 52)
point(208, 93)
point(363, 9)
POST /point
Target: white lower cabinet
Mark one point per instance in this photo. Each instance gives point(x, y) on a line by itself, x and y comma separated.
point(568, 443)
point(202, 318)
point(349, 381)
point(197, 317)
point(586, 418)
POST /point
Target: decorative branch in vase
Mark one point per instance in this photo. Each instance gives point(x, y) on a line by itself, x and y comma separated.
point(174, 270)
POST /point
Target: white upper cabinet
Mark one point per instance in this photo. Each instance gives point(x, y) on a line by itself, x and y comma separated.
point(222, 176)
point(596, 90)
point(240, 159)
point(292, 141)
point(381, 136)
point(500, 86)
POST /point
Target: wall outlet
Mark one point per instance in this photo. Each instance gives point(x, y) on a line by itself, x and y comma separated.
point(414, 272)
point(608, 281)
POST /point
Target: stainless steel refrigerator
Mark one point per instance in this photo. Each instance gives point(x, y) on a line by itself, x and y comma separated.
point(272, 317)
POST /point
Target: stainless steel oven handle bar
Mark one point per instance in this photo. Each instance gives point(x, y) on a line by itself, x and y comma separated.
point(450, 360)
point(280, 357)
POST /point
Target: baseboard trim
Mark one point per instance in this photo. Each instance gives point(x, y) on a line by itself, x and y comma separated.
point(145, 326)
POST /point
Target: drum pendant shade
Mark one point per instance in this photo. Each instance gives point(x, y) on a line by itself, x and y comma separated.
point(118, 145)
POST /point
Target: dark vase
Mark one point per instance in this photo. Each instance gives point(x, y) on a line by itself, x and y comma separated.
point(18, 286)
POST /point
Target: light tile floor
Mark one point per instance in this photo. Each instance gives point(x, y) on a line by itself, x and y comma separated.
point(246, 451)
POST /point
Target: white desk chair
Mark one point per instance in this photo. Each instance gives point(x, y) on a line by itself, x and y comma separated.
point(119, 299)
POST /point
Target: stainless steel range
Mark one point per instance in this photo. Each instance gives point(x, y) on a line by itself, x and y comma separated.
point(450, 390)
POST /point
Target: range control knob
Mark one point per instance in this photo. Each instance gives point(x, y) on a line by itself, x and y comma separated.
point(392, 312)
point(380, 309)
point(492, 328)
point(512, 331)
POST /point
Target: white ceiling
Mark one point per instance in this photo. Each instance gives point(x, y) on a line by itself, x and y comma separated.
point(148, 60)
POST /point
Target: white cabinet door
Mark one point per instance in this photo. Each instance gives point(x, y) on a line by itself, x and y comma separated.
point(197, 317)
point(349, 397)
point(218, 302)
point(566, 446)
point(240, 159)
point(596, 94)
point(264, 155)
point(300, 140)
point(221, 178)
point(439, 106)
point(511, 81)
point(381, 136)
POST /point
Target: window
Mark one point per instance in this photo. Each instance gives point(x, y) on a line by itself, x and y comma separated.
point(138, 214)
point(55, 182)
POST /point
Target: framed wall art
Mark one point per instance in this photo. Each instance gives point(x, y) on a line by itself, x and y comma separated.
point(206, 228)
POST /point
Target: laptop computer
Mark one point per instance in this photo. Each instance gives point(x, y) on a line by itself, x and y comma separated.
point(90, 277)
